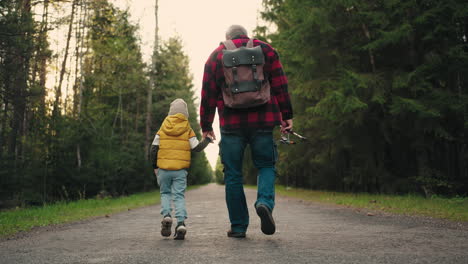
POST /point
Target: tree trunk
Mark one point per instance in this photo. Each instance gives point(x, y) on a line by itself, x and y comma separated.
point(4, 124)
point(43, 60)
point(79, 97)
point(67, 88)
point(152, 84)
point(78, 156)
point(137, 115)
point(77, 58)
point(58, 92)
point(119, 110)
point(371, 54)
point(21, 59)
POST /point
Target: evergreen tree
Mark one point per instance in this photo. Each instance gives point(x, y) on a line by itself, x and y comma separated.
point(17, 32)
point(379, 88)
point(219, 172)
point(113, 96)
point(61, 149)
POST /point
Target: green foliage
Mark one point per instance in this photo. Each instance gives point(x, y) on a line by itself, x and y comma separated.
point(455, 209)
point(25, 219)
point(219, 172)
point(380, 90)
point(17, 34)
point(69, 154)
point(111, 126)
point(97, 145)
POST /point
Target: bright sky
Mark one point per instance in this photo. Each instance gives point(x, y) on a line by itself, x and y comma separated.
point(200, 24)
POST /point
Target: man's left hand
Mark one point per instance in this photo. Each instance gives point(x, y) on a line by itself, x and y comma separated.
point(209, 134)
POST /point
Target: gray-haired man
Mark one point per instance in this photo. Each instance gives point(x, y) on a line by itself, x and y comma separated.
point(241, 125)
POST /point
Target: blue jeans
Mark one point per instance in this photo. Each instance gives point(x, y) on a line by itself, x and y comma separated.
point(264, 155)
point(172, 186)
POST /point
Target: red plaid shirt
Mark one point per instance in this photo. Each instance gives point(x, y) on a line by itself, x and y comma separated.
point(264, 116)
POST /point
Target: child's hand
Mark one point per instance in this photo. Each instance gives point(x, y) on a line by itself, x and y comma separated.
point(156, 172)
point(209, 134)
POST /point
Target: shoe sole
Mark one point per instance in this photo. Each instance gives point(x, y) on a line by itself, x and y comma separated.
point(267, 223)
point(236, 235)
point(180, 233)
point(166, 225)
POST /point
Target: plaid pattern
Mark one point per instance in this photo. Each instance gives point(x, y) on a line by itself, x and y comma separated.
point(264, 116)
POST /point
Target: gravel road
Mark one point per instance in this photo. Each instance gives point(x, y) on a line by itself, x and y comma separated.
point(306, 233)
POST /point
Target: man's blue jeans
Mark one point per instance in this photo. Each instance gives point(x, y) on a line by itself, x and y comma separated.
point(264, 155)
point(172, 186)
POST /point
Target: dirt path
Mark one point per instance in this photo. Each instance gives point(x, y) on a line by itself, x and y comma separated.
point(306, 233)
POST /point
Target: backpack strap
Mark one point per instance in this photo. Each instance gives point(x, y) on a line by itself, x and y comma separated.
point(257, 82)
point(250, 43)
point(229, 44)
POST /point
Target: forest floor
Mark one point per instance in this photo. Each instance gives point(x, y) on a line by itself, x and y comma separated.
point(307, 232)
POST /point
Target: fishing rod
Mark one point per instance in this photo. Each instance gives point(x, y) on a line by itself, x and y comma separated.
point(285, 138)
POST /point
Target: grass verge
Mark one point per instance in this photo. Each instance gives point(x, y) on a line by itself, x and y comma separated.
point(24, 219)
point(455, 209)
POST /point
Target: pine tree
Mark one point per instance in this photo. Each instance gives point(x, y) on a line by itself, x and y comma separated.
point(378, 89)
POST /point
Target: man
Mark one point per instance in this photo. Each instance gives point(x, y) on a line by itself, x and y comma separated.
point(242, 126)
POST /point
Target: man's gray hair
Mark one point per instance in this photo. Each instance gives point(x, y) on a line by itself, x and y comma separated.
point(235, 30)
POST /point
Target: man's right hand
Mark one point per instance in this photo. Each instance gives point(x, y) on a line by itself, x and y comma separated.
point(210, 134)
point(286, 125)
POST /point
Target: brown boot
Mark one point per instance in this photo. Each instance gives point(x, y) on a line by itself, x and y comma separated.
point(166, 225)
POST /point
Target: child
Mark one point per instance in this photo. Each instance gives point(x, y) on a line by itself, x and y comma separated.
point(170, 154)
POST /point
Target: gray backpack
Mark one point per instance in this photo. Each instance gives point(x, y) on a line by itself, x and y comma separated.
point(245, 83)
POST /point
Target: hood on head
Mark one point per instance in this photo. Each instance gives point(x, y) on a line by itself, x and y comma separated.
point(175, 125)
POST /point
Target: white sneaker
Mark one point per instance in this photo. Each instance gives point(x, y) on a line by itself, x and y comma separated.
point(180, 232)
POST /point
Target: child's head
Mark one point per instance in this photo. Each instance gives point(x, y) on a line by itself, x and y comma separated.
point(178, 106)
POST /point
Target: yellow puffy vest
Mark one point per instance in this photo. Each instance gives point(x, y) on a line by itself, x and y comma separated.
point(174, 145)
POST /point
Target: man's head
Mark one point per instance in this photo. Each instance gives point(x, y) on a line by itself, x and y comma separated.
point(178, 106)
point(235, 30)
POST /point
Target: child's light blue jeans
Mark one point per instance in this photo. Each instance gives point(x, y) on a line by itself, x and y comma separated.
point(172, 186)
